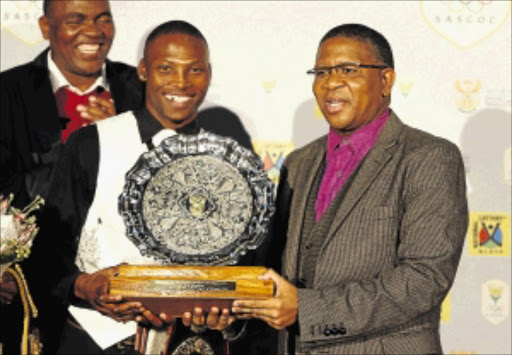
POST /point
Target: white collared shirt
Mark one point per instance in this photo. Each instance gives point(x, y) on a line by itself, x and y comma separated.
point(58, 80)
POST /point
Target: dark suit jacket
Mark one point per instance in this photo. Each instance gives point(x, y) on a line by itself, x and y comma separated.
point(30, 126)
point(30, 142)
point(390, 249)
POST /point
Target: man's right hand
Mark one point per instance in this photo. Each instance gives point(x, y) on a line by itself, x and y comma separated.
point(98, 109)
point(93, 288)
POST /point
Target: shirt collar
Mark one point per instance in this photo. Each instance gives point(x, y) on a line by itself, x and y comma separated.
point(362, 137)
point(58, 80)
point(149, 126)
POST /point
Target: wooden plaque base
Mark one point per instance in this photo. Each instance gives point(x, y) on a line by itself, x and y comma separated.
point(177, 289)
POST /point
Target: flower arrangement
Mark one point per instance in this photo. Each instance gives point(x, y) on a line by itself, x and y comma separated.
point(18, 230)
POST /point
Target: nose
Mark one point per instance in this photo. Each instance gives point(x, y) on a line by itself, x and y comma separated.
point(180, 80)
point(334, 81)
point(93, 29)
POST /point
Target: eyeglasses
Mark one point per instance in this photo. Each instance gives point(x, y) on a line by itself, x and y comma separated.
point(344, 70)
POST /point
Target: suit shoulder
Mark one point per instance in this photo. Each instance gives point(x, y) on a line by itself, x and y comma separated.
point(14, 76)
point(421, 143)
point(297, 155)
point(83, 138)
point(121, 65)
point(123, 69)
point(124, 75)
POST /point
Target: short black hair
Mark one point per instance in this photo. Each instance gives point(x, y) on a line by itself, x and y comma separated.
point(174, 26)
point(365, 34)
point(46, 7)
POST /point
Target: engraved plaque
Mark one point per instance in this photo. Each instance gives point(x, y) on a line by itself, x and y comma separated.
point(174, 289)
point(197, 200)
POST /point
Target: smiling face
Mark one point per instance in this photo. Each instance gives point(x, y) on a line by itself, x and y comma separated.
point(80, 35)
point(351, 103)
point(177, 72)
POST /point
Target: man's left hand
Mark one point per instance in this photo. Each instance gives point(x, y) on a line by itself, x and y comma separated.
point(99, 108)
point(279, 312)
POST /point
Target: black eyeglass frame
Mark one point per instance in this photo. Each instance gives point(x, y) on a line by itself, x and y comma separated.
point(341, 65)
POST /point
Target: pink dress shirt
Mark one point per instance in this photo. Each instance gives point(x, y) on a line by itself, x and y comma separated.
point(343, 156)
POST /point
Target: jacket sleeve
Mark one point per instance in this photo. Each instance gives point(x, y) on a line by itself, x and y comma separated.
point(429, 238)
point(29, 133)
point(12, 176)
point(61, 220)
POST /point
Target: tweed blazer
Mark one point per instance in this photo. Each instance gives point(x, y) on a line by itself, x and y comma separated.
point(391, 250)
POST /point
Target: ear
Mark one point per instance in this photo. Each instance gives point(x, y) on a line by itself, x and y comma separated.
point(44, 26)
point(141, 71)
point(209, 72)
point(388, 80)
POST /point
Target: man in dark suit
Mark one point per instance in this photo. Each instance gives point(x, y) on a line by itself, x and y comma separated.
point(69, 85)
point(372, 217)
point(35, 119)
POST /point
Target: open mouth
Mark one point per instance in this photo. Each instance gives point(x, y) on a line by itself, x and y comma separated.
point(334, 105)
point(179, 99)
point(89, 49)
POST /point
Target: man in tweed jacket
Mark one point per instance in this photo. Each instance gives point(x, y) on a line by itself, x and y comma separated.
point(371, 218)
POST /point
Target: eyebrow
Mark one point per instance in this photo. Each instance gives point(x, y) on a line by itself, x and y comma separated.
point(335, 65)
point(104, 13)
point(82, 15)
point(181, 61)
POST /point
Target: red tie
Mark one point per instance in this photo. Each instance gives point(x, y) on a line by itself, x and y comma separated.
point(67, 101)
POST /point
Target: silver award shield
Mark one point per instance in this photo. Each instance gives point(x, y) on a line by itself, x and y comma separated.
point(197, 200)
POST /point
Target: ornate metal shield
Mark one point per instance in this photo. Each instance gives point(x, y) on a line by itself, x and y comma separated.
point(197, 200)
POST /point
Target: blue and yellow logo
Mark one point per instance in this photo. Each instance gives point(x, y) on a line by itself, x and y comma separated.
point(273, 154)
point(489, 233)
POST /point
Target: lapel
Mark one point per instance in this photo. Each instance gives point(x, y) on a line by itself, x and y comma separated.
point(303, 184)
point(42, 109)
point(310, 166)
point(372, 165)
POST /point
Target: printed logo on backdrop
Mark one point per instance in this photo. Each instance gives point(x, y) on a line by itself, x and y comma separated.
point(405, 86)
point(273, 153)
point(446, 309)
point(465, 23)
point(468, 96)
point(20, 18)
point(489, 233)
point(498, 98)
point(495, 301)
point(269, 85)
point(507, 166)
